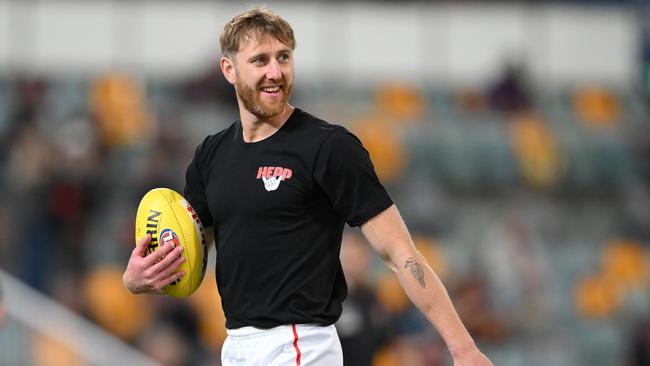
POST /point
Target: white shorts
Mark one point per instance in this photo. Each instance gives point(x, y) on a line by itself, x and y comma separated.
point(286, 345)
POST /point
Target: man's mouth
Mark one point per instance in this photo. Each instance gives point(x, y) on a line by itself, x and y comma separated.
point(273, 90)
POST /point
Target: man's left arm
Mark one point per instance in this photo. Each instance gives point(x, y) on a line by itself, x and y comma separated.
point(388, 235)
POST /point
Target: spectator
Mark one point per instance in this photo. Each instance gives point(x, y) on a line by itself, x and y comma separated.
point(510, 93)
point(363, 326)
point(514, 274)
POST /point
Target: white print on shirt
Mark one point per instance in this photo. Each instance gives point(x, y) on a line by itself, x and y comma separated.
point(272, 176)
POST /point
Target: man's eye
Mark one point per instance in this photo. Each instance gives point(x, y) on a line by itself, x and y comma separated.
point(284, 58)
point(258, 61)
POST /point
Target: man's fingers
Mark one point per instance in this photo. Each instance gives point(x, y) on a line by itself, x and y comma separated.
point(171, 260)
point(170, 278)
point(172, 268)
point(159, 254)
point(141, 248)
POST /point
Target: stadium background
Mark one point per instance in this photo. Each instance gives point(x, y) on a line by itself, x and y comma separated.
point(513, 136)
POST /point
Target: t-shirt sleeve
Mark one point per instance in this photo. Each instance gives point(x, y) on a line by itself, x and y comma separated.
point(343, 170)
point(194, 191)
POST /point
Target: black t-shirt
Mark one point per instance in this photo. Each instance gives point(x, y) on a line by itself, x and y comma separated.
point(278, 207)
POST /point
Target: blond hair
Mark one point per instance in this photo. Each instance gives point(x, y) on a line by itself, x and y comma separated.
point(254, 22)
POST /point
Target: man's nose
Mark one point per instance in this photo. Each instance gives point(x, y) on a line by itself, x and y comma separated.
point(273, 70)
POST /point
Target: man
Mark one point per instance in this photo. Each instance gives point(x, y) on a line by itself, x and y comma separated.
point(276, 189)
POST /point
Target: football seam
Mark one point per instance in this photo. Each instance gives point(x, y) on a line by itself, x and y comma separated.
point(180, 227)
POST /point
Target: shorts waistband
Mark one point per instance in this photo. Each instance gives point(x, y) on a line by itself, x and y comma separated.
point(256, 332)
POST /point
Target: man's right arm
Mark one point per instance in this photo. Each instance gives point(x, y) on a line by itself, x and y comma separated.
point(388, 235)
point(148, 274)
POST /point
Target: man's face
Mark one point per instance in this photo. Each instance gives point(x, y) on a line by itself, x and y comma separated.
point(263, 75)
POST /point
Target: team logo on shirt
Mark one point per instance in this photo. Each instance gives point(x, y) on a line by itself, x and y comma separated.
point(272, 176)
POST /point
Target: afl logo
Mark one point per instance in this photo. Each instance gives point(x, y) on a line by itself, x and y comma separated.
point(168, 236)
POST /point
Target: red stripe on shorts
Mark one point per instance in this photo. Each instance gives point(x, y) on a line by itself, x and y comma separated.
point(295, 344)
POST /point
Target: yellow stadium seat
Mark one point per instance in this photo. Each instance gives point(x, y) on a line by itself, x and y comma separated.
point(627, 262)
point(113, 306)
point(596, 106)
point(433, 253)
point(536, 149)
point(384, 145)
point(119, 104)
point(391, 295)
point(597, 296)
point(385, 356)
point(399, 102)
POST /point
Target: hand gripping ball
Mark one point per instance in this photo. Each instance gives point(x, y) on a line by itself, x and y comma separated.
point(171, 220)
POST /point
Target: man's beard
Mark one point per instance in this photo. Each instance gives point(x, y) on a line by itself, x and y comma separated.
point(253, 103)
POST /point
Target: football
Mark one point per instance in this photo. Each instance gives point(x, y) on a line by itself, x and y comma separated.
point(171, 220)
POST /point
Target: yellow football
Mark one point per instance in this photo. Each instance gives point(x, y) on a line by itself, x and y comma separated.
point(171, 220)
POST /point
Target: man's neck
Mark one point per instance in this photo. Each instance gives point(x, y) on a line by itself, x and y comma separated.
point(257, 129)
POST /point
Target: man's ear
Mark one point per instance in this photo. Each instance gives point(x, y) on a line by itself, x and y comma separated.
point(228, 69)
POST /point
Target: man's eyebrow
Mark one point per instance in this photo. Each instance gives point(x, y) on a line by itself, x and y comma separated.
point(265, 54)
point(257, 55)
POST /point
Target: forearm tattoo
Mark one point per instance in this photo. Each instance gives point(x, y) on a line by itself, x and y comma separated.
point(416, 271)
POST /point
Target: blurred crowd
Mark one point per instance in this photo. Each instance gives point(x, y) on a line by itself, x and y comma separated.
point(533, 206)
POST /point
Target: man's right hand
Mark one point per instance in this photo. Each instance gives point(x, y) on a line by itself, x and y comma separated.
point(149, 274)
